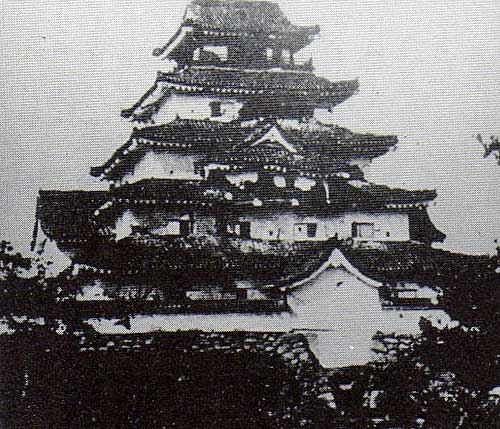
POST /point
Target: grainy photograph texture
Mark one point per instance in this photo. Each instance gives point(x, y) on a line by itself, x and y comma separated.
point(287, 216)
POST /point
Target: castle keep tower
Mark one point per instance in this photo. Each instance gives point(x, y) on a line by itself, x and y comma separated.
point(229, 191)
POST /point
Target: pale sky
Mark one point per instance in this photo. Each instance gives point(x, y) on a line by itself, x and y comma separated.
point(429, 72)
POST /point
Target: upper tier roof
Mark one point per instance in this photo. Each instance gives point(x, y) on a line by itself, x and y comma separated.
point(295, 88)
point(311, 147)
point(238, 18)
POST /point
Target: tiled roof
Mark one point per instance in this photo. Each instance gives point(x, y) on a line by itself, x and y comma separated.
point(299, 87)
point(342, 197)
point(237, 81)
point(184, 136)
point(321, 149)
point(238, 15)
point(177, 260)
point(325, 138)
point(362, 194)
point(239, 18)
point(68, 215)
point(163, 191)
point(422, 229)
point(420, 263)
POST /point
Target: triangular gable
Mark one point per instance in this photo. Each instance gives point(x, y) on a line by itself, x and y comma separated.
point(274, 136)
point(337, 260)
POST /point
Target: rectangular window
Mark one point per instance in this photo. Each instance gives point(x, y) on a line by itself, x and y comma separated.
point(215, 109)
point(286, 56)
point(407, 294)
point(184, 228)
point(312, 228)
point(244, 229)
point(363, 230)
point(269, 54)
point(172, 227)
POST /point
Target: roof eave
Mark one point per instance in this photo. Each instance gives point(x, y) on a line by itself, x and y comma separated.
point(175, 42)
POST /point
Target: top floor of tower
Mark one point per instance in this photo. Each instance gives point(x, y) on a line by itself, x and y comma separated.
point(237, 33)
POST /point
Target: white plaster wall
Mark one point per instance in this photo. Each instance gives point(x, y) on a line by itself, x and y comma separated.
point(282, 226)
point(241, 178)
point(419, 291)
point(124, 224)
point(196, 107)
point(337, 310)
point(397, 224)
point(163, 165)
point(162, 222)
point(50, 252)
point(346, 313)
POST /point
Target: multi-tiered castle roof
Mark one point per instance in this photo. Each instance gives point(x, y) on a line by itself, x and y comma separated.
point(229, 172)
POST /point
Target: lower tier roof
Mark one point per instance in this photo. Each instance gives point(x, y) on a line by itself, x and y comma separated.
point(182, 263)
point(81, 220)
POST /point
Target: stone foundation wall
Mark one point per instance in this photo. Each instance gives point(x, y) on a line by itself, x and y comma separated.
point(291, 348)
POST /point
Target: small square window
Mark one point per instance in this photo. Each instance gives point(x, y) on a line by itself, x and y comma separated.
point(312, 228)
point(216, 109)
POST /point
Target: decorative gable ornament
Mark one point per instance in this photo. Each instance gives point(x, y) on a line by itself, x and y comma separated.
point(274, 136)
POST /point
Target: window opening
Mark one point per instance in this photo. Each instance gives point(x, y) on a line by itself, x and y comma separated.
point(245, 229)
point(363, 230)
point(184, 228)
point(216, 109)
point(312, 228)
point(286, 56)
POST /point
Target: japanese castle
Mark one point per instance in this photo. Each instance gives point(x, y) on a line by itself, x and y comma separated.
point(231, 200)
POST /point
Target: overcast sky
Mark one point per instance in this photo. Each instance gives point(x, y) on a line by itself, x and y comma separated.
point(429, 72)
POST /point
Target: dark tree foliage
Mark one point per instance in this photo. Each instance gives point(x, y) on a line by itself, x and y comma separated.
point(491, 147)
point(438, 380)
point(47, 380)
point(53, 383)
